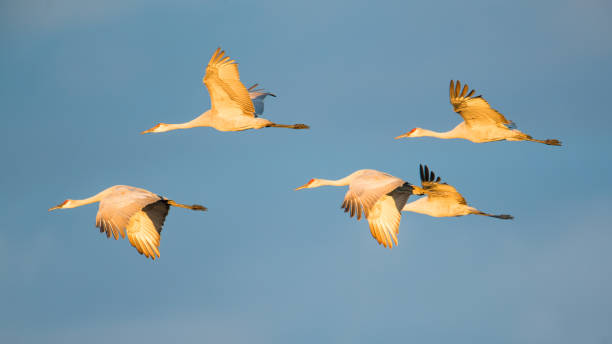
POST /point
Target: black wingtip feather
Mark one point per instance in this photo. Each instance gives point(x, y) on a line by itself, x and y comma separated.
point(421, 172)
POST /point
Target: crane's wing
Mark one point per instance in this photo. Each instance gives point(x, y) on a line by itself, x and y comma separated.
point(384, 218)
point(374, 194)
point(136, 211)
point(437, 190)
point(145, 227)
point(474, 110)
point(223, 82)
point(257, 96)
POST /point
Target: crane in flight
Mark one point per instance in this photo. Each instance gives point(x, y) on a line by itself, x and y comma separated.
point(378, 196)
point(231, 105)
point(135, 211)
point(481, 123)
point(442, 200)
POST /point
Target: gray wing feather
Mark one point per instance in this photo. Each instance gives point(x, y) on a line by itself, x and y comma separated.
point(257, 96)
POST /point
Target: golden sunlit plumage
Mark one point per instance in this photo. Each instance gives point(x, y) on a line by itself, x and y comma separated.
point(481, 123)
point(223, 82)
point(133, 211)
point(378, 196)
point(442, 200)
point(232, 108)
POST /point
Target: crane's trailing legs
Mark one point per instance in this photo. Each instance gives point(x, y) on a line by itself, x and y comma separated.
point(502, 216)
point(290, 126)
point(551, 142)
point(192, 207)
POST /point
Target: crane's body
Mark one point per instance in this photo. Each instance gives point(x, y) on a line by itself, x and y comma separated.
point(378, 196)
point(438, 208)
point(442, 200)
point(232, 106)
point(481, 123)
point(129, 210)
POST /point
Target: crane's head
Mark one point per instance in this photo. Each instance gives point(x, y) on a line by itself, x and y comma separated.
point(415, 132)
point(65, 204)
point(160, 128)
point(313, 183)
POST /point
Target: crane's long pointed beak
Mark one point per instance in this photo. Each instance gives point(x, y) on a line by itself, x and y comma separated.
point(53, 208)
point(401, 136)
point(152, 129)
point(302, 187)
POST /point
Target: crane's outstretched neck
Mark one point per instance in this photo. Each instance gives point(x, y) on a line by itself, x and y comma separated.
point(456, 133)
point(201, 121)
point(73, 203)
point(316, 182)
point(337, 182)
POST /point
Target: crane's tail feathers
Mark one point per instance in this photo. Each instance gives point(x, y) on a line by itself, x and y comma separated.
point(502, 216)
point(290, 126)
point(192, 207)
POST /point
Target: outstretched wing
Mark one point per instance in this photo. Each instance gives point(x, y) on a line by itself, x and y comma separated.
point(257, 96)
point(474, 110)
point(145, 227)
point(136, 211)
point(366, 189)
point(437, 190)
point(380, 197)
point(384, 218)
point(223, 82)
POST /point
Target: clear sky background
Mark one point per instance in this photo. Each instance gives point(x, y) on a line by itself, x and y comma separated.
point(267, 264)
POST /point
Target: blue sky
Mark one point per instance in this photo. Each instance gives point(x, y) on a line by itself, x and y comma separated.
point(267, 264)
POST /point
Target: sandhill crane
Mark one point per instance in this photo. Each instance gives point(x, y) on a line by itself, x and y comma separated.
point(231, 106)
point(442, 199)
point(481, 123)
point(257, 96)
point(136, 211)
point(380, 196)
